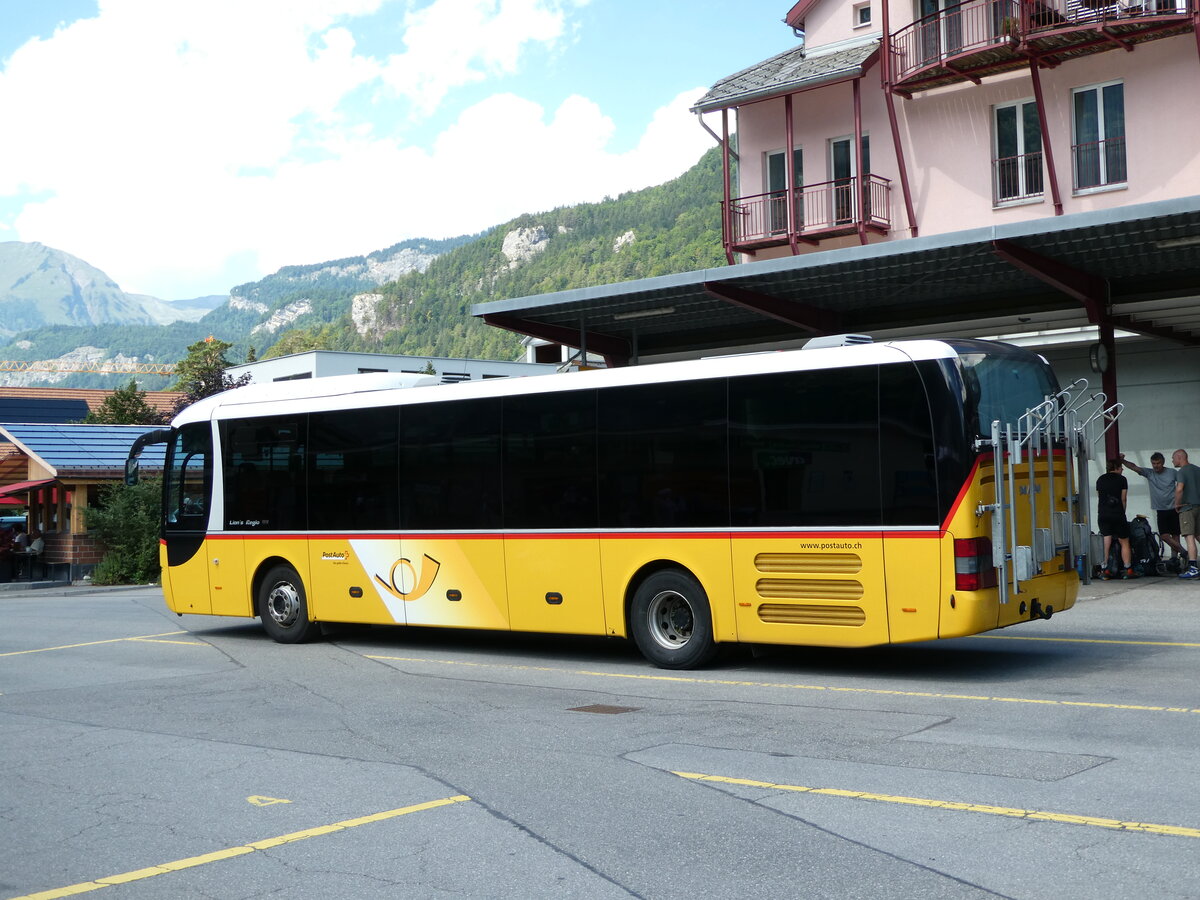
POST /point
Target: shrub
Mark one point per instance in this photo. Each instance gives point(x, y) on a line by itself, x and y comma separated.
point(126, 522)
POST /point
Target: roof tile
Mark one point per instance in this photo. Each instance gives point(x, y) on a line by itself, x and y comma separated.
point(791, 70)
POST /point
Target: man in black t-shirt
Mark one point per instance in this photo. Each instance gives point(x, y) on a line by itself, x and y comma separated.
point(1113, 491)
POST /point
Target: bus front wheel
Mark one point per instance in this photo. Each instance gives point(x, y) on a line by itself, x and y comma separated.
point(671, 621)
point(283, 607)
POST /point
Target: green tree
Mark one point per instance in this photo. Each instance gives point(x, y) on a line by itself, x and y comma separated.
point(126, 522)
point(125, 406)
point(202, 372)
point(296, 340)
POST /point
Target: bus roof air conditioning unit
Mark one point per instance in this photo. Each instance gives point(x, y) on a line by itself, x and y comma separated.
point(837, 340)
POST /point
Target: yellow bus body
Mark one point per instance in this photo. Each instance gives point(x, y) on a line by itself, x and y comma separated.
point(825, 587)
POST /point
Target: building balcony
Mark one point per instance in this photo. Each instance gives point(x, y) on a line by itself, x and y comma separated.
point(978, 38)
point(819, 211)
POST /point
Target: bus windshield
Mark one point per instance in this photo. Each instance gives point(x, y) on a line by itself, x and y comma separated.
point(1002, 382)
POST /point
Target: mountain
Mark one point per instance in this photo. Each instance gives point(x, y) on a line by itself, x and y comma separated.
point(43, 286)
point(413, 297)
point(672, 227)
point(166, 311)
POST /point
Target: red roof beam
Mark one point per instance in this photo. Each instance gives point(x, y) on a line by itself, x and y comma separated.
point(801, 315)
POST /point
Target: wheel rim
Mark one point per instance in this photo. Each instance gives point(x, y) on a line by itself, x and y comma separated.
point(283, 604)
point(670, 619)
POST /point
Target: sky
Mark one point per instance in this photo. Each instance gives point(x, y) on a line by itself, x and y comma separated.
point(185, 147)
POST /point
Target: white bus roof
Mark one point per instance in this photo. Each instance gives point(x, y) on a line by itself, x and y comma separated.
point(383, 389)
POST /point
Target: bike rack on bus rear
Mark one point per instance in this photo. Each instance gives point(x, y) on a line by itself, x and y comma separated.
point(1070, 419)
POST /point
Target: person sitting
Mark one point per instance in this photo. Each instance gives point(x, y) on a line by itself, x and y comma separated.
point(37, 545)
point(21, 539)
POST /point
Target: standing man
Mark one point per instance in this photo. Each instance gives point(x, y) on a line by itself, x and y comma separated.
point(1113, 491)
point(1187, 501)
point(1162, 483)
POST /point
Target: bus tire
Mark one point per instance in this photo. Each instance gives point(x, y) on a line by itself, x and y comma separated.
point(671, 621)
point(283, 607)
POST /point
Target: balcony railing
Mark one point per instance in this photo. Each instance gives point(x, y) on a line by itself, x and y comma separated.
point(1017, 178)
point(1057, 13)
point(827, 209)
point(1099, 163)
point(952, 32)
point(977, 38)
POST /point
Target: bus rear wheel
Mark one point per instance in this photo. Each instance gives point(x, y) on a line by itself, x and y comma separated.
point(671, 621)
point(283, 607)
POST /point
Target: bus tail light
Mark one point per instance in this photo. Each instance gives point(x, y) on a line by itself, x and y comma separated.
point(973, 569)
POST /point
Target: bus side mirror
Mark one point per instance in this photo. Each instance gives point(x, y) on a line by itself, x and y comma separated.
point(131, 471)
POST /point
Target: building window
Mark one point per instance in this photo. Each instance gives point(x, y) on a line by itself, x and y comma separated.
point(862, 14)
point(776, 172)
point(848, 171)
point(1016, 152)
point(1098, 136)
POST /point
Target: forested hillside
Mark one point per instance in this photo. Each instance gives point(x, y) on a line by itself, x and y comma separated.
point(362, 303)
point(674, 227)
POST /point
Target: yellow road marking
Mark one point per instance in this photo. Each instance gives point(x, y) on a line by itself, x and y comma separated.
point(258, 800)
point(1032, 814)
point(1066, 640)
point(231, 852)
point(833, 689)
point(143, 637)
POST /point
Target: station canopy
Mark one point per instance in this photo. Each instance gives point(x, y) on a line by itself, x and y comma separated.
point(1135, 268)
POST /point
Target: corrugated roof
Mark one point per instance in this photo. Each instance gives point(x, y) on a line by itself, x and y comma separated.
point(792, 70)
point(83, 451)
point(942, 285)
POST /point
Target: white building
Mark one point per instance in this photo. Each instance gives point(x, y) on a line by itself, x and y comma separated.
point(323, 363)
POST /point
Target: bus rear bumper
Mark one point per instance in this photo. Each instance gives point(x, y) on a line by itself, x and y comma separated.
point(972, 612)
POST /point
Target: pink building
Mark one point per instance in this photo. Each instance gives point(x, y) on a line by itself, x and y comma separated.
point(1016, 169)
point(891, 120)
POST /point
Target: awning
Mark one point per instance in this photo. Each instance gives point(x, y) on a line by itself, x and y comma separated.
point(1017, 277)
point(22, 487)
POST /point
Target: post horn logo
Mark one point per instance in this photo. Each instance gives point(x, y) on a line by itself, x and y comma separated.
point(403, 581)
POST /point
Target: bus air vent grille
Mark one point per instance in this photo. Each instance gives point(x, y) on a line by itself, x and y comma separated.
point(809, 563)
point(811, 614)
point(808, 589)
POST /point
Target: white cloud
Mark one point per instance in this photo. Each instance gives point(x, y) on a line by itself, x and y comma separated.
point(169, 148)
point(451, 43)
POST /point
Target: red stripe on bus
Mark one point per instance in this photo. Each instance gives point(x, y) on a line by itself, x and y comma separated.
point(934, 533)
point(962, 493)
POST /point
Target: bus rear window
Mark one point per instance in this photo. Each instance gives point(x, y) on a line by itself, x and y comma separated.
point(1002, 384)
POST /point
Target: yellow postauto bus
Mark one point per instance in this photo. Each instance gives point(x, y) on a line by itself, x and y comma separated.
point(845, 496)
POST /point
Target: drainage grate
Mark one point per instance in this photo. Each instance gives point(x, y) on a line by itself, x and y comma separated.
point(604, 709)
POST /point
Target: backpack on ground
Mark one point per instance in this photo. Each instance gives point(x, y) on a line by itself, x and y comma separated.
point(1144, 548)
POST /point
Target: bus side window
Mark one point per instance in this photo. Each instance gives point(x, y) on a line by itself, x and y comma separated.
point(275, 499)
point(550, 460)
point(906, 451)
point(804, 448)
point(450, 465)
point(663, 456)
point(353, 467)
